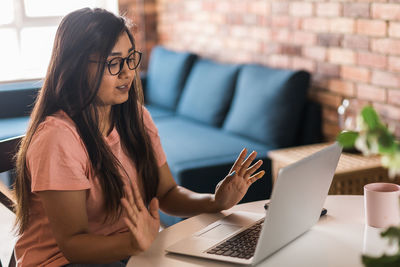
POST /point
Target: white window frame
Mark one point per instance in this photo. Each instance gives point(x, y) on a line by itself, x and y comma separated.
point(21, 21)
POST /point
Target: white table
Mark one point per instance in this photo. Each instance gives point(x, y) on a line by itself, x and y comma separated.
point(338, 239)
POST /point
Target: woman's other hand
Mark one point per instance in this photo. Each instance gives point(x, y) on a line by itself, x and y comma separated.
point(143, 223)
point(235, 185)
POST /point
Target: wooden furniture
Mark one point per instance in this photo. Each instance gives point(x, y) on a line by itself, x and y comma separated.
point(353, 171)
point(338, 239)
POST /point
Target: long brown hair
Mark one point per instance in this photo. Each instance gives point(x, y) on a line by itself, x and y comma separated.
point(67, 87)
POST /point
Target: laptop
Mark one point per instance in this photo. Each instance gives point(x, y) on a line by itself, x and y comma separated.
point(295, 206)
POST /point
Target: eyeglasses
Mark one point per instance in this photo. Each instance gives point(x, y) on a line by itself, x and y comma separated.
point(116, 64)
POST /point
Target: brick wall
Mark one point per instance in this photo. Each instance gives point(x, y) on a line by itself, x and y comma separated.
point(352, 48)
point(143, 15)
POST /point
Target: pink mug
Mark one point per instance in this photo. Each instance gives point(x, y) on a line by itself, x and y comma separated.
point(381, 202)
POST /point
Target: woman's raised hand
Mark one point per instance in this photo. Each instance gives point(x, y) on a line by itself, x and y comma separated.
point(235, 185)
point(143, 223)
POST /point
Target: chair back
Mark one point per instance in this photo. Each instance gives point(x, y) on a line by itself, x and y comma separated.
point(8, 148)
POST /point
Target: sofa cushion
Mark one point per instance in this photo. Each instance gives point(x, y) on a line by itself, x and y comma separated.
point(166, 76)
point(158, 113)
point(17, 98)
point(267, 105)
point(208, 92)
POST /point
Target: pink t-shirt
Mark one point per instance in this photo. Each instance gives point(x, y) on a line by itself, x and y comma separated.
point(57, 160)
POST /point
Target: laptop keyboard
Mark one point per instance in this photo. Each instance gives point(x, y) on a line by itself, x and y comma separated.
point(242, 245)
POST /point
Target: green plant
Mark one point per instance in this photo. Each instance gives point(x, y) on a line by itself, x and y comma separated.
point(373, 137)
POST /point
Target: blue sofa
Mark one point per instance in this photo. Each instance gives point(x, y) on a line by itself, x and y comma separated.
point(207, 112)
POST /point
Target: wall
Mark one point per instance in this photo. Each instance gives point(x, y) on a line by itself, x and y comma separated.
point(352, 48)
point(143, 15)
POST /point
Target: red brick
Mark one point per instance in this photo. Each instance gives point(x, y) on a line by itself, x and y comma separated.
point(386, 46)
point(232, 18)
point(356, 10)
point(394, 64)
point(341, 56)
point(355, 73)
point(330, 130)
point(259, 8)
point(301, 9)
point(370, 92)
point(371, 27)
point(388, 111)
point(281, 8)
point(394, 29)
point(329, 114)
point(393, 96)
point(280, 35)
point(372, 60)
point(319, 80)
point(356, 42)
point(271, 48)
point(328, 9)
point(303, 64)
point(237, 31)
point(304, 38)
point(328, 70)
point(279, 61)
point(207, 6)
point(235, 6)
point(384, 78)
point(328, 99)
point(250, 19)
point(222, 6)
point(342, 25)
point(296, 23)
point(316, 24)
point(385, 11)
point(329, 39)
point(314, 52)
point(370, 1)
point(280, 21)
point(293, 50)
point(259, 33)
point(342, 87)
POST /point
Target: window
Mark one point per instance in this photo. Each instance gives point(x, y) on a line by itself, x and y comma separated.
point(27, 30)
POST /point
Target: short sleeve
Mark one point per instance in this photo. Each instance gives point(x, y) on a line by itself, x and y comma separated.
point(155, 138)
point(57, 159)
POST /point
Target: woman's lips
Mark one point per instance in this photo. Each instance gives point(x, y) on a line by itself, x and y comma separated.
point(124, 87)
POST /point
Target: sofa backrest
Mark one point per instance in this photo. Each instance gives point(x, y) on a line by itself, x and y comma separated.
point(16, 99)
point(267, 105)
point(208, 92)
point(166, 76)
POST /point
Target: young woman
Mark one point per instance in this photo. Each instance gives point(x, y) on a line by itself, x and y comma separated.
point(91, 172)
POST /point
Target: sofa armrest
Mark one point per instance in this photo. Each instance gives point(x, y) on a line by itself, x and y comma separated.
point(17, 98)
point(310, 131)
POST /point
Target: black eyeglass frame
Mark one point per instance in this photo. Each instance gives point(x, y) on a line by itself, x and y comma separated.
point(121, 64)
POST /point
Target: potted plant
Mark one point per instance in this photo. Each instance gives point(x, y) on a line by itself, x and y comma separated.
point(373, 137)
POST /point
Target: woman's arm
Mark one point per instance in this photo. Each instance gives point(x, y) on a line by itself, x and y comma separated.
point(68, 219)
point(179, 201)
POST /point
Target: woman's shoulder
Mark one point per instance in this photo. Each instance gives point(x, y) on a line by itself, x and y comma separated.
point(59, 121)
point(58, 126)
